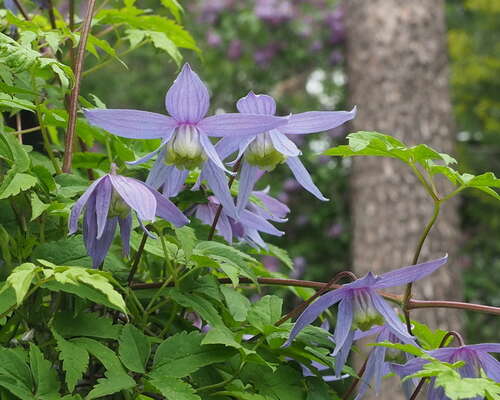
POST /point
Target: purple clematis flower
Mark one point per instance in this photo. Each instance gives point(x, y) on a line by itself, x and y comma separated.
point(266, 149)
point(475, 356)
point(378, 363)
point(185, 135)
point(108, 202)
point(251, 221)
point(361, 307)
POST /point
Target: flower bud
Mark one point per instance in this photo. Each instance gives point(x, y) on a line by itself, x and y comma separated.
point(261, 153)
point(118, 208)
point(185, 150)
point(365, 314)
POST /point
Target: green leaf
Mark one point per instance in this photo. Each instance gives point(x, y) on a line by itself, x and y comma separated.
point(37, 207)
point(221, 335)
point(112, 384)
point(173, 388)
point(187, 239)
point(198, 304)
point(407, 348)
point(182, 354)
point(15, 372)
point(14, 152)
point(15, 183)
point(20, 280)
point(44, 376)
point(429, 339)
point(75, 360)
point(237, 303)
point(134, 348)
point(163, 42)
point(45, 177)
point(85, 324)
point(67, 251)
point(265, 312)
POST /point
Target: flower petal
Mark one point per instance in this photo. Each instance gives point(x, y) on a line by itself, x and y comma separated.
point(274, 209)
point(153, 153)
point(313, 311)
point(343, 353)
point(253, 238)
point(187, 99)
point(158, 173)
point(344, 323)
point(248, 178)
point(227, 146)
point(488, 347)
point(412, 273)
point(132, 124)
point(490, 365)
point(218, 183)
point(174, 182)
point(234, 124)
point(102, 202)
point(303, 177)
point(210, 151)
point(167, 210)
point(373, 371)
point(254, 221)
point(359, 334)
point(136, 195)
point(316, 121)
point(77, 208)
point(391, 319)
point(283, 144)
point(256, 104)
point(125, 229)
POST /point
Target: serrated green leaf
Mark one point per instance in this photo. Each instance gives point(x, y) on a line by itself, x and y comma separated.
point(221, 335)
point(187, 239)
point(173, 388)
point(14, 152)
point(108, 386)
point(134, 349)
point(20, 280)
point(45, 177)
point(37, 207)
point(237, 304)
point(429, 339)
point(183, 354)
point(85, 324)
point(265, 312)
point(163, 42)
point(198, 304)
point(75, 360)
point(15, 183)
point(44, 376)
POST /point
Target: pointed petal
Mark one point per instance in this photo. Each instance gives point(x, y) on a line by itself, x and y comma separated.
point(316, 121)
point(174, 182)
point(256, 104)
point(488, 347)
point(490, 365)
point(102, 202)
point(373, 369)
point(144, 229)
point(253, 238)
point(274, 209)
point(153, 153)
point(303, 177)
point(136, 195)
point(343, 353)
point(132, 124)
point(412, 366)
point(77, 208)
point(224, 227)
point(244, 142)
point(125, 229)
point(248, 178)
point(283, 144)
point(409, 274)
point(210, 151)
point(254, 221)
point(234, 124)
point(158, 173)
point(167, 210)
point(344, 323)
point(358, 334)
point(187, 99)
point(227, 146)
point(218, 183)
point(390, 317)
point(313, 311)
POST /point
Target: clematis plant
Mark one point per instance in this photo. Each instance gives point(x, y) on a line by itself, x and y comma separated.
point(251, 221)
point(109, 202)
point(361, 307)
point(264, 150)
point(185, 135)
point(475, 356)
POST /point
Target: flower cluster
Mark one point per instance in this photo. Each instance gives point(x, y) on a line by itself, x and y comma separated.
point(259, 137)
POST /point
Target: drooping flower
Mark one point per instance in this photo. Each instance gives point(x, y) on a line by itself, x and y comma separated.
point(109, 202)
point(266, 149)
point(185, 135)
point(475, 356)
point(379, 359)
point(361, 307)
point(251, 221)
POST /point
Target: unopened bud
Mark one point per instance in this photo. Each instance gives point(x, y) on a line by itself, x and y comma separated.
point(185, 150)
point(261, 153)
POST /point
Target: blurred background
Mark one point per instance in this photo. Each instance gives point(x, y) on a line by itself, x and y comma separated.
point(306, 53)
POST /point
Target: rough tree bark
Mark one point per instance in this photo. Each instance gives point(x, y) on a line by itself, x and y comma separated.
point(398, 77)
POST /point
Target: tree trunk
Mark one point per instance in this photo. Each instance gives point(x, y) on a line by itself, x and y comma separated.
point(398, 77)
